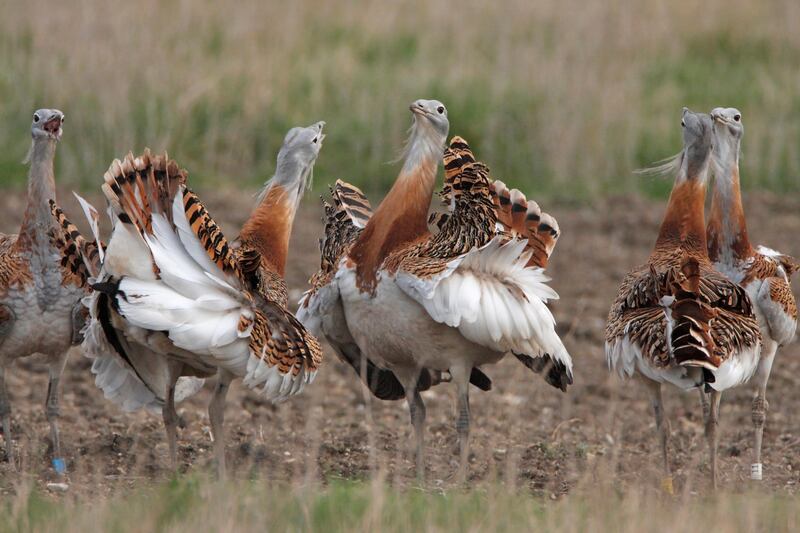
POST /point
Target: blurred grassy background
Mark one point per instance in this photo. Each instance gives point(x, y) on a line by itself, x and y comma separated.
point(563, 97)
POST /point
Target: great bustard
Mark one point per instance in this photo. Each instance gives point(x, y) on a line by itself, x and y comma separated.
point(764, 273)
point(675, 319)
point(40, 310)
point(175, 298)
point(421, 304)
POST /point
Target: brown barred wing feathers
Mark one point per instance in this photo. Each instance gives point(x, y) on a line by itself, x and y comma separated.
point(350, 201)
point(679, 311)
point(213, 241)
point(80, 258)
point(690, 338)
point(345, 219)
point(284, 356)
point(518, 216)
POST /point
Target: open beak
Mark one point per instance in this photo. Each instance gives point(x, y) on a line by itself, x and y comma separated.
point(321, 137)
point(53, 126)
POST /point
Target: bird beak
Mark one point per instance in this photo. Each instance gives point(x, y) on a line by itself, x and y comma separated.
point(417, 110)
point(722, 119)
point(53, 126)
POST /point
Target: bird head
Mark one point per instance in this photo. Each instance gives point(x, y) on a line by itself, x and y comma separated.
point(728, 131)
point(427, 136)
point(432, 115)
point(697, 142)
point(47, 124)
point(728, 121)
point(301, 145)
point(296, 158)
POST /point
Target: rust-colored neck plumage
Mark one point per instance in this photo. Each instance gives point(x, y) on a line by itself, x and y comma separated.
point(401, 218)
point(727, 228)
point(684, 222)
point(41, 189)
point(269, 227)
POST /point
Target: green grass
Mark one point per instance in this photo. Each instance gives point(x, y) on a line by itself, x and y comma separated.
point(562, 99)
point(190, 504)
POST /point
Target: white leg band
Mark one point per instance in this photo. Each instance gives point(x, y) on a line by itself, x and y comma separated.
point(756, 471)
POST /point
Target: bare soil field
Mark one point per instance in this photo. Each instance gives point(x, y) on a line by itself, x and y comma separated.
point(525, 433)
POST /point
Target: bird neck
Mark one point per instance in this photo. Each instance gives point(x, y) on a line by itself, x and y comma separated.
point(41, 189)
point(270, 226)
point(684, 224)
point(402, 217)
point(727, 228)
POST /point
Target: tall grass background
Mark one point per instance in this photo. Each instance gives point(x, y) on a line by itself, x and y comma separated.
point(563, 97)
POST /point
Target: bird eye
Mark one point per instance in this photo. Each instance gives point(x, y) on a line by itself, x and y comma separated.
point(683, 124)
point(440, 109)
point(36, 117)
point(737, 117)
point(314, 140)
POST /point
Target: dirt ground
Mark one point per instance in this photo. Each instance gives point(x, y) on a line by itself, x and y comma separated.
point(523, 432)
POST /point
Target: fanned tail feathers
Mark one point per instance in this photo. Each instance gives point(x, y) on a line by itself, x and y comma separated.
point(518, 216)
point(526, 219)
point(139, 186)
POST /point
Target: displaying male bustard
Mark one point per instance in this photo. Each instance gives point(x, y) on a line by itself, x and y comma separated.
point(175, 298)
point(764, 273)
point(40, 310)
point(676, 319)
point(416, 305)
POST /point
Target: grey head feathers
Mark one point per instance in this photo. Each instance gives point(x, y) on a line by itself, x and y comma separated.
point(427, 135)
point(296, 158)
point(694, 157)
point(46, 125)
point(728, 132)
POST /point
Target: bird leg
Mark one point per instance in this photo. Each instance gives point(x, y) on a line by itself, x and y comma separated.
point(5, 413)
point(705, 405)
point(216, 414)
point(461, 378)
point(760, 407)
point(662, 426)
point(416, 409)
point(53, 410)
point(711, 434)
point(169, 413)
